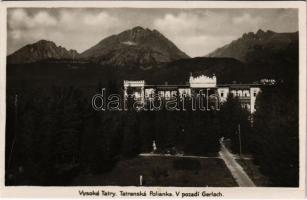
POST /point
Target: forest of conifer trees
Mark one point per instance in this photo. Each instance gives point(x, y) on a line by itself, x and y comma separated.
point(53, 135)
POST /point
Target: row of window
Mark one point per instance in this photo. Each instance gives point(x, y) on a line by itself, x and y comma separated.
point(239, 94)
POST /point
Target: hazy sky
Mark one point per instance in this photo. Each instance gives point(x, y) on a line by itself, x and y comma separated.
point(195, 31)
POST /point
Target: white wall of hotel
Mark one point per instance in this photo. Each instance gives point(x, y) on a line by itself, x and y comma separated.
point(254, 92)
point(246, 93)
point(202, 82)
point(135, 84)
point(223, 93)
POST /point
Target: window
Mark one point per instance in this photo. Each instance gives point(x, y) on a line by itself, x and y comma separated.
point(240, 93)
point(255, 94)
point(222, 94)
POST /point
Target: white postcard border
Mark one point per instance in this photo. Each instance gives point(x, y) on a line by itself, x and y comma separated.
point(232, 192)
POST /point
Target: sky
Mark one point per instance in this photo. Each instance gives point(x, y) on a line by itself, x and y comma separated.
point(197, 32)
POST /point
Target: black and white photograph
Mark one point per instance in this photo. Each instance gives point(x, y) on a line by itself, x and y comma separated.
point(152, 97)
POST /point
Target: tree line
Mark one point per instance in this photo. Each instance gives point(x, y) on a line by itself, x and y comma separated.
point(54, 134)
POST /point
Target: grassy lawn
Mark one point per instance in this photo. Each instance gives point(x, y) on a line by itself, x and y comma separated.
point(164, 171)
point(253, 172)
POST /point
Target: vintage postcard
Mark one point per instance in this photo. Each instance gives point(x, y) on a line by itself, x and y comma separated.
point(153, 99)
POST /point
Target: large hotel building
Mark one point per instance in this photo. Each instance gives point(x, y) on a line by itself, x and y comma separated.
point(246, 93)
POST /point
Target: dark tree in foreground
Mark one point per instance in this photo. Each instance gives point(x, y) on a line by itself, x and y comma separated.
point(233, 115)
point(275, 141)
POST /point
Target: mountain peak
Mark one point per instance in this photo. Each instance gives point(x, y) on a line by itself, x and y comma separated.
point(251, 45)
point(259, 32)
point(43, 41)
point(138, 28)
point(40, 50)
point(134, 47)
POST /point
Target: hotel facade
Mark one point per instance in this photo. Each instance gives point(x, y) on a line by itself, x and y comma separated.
point(207, 86)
